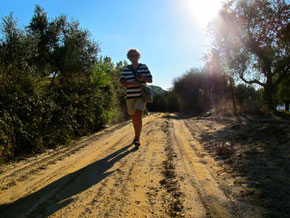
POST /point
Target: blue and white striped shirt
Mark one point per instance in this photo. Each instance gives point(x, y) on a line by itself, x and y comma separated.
point(128, 76)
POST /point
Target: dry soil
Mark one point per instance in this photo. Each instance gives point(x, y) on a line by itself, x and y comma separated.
point(185, 167)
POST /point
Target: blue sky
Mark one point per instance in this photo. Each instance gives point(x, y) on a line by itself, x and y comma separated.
point(171, 34)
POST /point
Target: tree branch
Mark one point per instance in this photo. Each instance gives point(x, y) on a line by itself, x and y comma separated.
point(251, 81)
point(254, 47)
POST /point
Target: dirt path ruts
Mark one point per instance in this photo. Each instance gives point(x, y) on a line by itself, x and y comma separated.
point(103, 175)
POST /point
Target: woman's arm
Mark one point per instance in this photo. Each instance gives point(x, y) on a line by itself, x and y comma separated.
point(145, 79)
point(128, 84)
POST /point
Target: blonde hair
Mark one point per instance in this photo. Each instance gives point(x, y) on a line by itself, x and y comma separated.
point(133, 52)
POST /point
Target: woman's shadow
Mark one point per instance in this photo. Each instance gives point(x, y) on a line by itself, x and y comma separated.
point(58, 194)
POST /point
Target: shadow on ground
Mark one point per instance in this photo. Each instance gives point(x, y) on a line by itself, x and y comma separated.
point(258, 154)
point(58, 194)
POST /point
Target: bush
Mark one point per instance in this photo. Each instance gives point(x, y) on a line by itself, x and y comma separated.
point(53, 85)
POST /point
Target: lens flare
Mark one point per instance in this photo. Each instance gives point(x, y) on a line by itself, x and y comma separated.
point(203, 11)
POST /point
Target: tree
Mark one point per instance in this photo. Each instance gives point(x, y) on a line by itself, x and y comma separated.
point(76, 53)
point(64, 48)
point(283, 93)
point(199, 90)
point(252, 38)
point(187, 89)
point(48, 35)
point(243, 92)
point(16, 50)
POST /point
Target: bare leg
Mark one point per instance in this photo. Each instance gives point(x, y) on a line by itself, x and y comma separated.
point(137, 123)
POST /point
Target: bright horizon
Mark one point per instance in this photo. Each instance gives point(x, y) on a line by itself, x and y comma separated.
point(171, 34)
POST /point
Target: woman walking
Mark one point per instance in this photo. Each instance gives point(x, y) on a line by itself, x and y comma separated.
point(133, 76)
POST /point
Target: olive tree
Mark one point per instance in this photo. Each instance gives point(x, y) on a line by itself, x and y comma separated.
point(64, 48)
point(253, 40)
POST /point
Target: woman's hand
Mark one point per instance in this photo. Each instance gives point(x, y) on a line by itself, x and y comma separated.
point(128, 84)
point(145, 79)
point(135, 83)
point(141, 78)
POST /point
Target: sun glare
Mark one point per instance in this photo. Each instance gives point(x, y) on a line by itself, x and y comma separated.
point(203, 11)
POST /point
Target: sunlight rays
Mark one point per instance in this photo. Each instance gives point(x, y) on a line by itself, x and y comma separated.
point(203, 11)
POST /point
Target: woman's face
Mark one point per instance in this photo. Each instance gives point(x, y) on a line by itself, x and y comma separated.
point(134, 58)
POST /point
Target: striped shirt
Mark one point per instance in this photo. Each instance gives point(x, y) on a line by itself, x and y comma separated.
point(128, 76)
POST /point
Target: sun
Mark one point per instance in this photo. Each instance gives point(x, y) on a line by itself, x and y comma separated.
point(203, 11)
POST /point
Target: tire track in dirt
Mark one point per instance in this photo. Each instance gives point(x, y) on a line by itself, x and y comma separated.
point(198, 127)
point(118, 190)
point(170, 180)
point(213, 200)
point(136, 194)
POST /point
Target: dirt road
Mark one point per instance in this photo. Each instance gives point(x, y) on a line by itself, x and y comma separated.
point(103, 175)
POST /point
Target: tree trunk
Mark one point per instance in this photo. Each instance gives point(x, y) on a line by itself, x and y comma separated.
point(286, 105)
point(50, 86)
point(233, 97)
point(234, 101)
point(268, 96)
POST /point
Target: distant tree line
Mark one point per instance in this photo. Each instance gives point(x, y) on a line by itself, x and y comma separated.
point(199, 91)
point(54, 86)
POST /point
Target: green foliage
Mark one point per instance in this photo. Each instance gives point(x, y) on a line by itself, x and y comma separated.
point(100, 76)
point(243, 92)
point(163, 101)
point(53, 86)
point(156, 90)
point(19, 117)
point(248, 99)
point(16, 49)
point(199, 90)
point(63, 48)
point(171, 101)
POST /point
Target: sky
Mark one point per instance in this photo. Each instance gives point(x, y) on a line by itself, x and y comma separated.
point(171, 34)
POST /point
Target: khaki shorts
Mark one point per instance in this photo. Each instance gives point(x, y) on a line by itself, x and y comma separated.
point(134, 104)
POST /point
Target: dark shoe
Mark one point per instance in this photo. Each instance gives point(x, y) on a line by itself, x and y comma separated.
point(136, 142)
